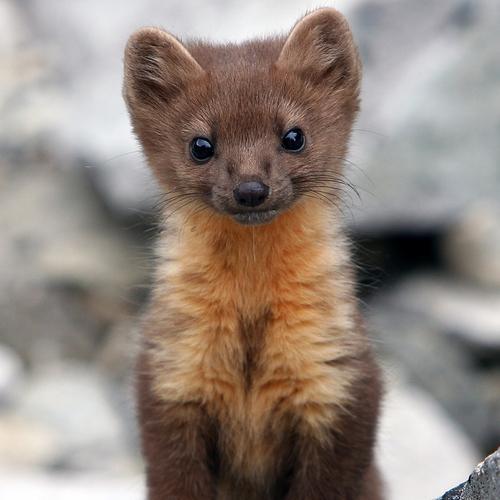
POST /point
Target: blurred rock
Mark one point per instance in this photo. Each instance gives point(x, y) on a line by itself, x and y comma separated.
point(25, 442)
point(456, 308)
point(411, 324)
point(126, 187)
point(471, 246)
point(118, 353)
point(11, 372)
point(68, 271)
point(31, 102)
point(28, 485)
point(116, 360)
point(431, 100)
point(75, 402)
point(483, 483)
point(416, 438)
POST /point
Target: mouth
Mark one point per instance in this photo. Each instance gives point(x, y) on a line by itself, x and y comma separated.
point(256, 217)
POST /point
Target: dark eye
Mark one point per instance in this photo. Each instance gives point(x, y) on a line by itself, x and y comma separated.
point(293, 140)
point(201, 149)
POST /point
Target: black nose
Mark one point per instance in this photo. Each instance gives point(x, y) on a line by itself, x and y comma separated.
point(251, 194)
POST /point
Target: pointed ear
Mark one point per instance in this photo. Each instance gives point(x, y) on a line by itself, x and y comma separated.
point(320, 48)
point(157, 66)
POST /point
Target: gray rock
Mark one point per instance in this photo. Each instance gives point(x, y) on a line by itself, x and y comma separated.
point(117, 355)
point(483, 483)
point(454, 494)
point(413, 325)
point(412, 423)
point(457, 308)
point(30, 101)
point(27, 485)
point(76, 404)
point(471, 246)
point(68, 272)
point(116, 359)
point(11, 374)
point(27, 443)
point(434, 146)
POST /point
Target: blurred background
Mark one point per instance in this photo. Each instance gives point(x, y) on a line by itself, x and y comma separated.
point(77, 224)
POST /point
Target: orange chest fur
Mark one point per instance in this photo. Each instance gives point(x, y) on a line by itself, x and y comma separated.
point(252, 334)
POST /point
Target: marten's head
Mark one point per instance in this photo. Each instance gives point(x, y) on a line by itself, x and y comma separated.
point(246, 130)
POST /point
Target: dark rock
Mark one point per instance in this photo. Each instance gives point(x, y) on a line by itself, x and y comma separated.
point(483, 483)
point(454, 494)
point(465, 14)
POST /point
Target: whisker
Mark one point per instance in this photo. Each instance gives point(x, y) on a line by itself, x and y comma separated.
point(108, 160)
point(367, 131)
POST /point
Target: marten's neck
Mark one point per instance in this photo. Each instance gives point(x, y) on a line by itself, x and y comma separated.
point(253, 311)
point(251, 266)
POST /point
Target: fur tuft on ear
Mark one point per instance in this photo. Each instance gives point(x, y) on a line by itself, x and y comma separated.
point(156, 67)
point(320, 48)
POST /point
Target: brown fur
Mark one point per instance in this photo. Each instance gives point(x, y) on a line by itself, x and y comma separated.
point(256, 379)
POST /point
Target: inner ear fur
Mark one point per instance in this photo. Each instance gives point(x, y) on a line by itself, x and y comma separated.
point(156, 67)
point(321, 47)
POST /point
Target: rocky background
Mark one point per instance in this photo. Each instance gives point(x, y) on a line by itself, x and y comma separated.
point(77, 223)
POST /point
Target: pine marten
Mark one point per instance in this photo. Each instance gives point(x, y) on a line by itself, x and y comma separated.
point(255, 378)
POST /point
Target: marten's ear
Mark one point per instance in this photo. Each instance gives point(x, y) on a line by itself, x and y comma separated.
point(320, 47)
point(157, 66)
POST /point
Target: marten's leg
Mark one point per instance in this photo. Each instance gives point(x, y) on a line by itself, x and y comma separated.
point(341, 467)
point(176, 443)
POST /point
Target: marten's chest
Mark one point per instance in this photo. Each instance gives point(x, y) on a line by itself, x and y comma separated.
point(258, 376)
point(254, 338)
point(252, 375)
point(248, 370)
